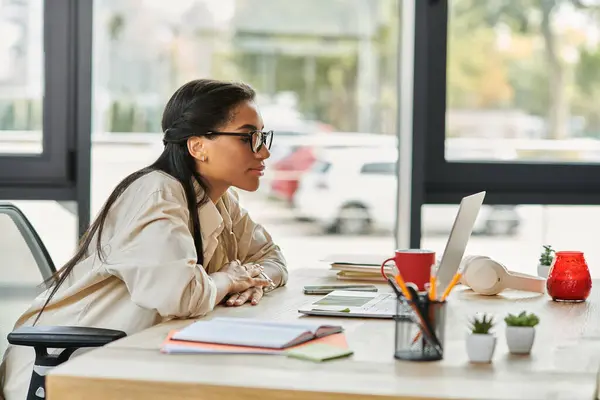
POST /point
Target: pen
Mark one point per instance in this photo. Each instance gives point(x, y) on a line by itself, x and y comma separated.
point(395, 286)
point(453, 283)
point(432, 288)
point(403, 287)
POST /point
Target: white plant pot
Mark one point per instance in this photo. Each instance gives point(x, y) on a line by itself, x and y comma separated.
point(543, 270)
point(520, 339)
point(480, 347)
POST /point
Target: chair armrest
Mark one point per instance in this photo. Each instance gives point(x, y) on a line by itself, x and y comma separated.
point(63, 336)
point(68, 338)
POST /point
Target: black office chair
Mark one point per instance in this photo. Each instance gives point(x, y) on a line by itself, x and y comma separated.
point(42, 338)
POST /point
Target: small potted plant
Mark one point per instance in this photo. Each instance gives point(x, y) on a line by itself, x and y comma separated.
point(480, 342)
point(545, 261)
point(520, 332)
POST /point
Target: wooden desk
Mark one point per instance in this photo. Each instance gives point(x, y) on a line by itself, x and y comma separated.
point(563, 364)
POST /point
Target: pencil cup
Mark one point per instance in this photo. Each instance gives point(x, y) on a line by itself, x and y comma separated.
point(415, 342)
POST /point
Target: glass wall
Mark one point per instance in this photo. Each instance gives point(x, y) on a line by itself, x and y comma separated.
point(21, 76)
point(21, 94)
point(523, 82)
point(326, 76)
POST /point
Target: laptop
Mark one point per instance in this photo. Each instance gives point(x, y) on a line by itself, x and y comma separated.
point(341, 303)
point(458, 239)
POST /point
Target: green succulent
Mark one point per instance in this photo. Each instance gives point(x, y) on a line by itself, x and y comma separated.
point(547, 255)
point(523, 319)
point(482, 325)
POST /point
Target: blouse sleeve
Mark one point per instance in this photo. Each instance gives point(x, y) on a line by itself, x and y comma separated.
point(158, 259)
point(255, 245)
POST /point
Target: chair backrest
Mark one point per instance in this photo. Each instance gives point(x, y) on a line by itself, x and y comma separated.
point(24, 264)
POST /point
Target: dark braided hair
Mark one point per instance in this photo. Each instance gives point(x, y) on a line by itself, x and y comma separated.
point(197, 107)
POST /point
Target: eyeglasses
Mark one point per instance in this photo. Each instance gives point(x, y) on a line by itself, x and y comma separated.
point(257, 139)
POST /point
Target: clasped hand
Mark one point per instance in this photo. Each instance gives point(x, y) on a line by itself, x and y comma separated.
point(245, 286)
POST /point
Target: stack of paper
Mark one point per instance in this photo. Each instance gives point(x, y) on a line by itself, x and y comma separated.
point(363, 267)
point(251, 336)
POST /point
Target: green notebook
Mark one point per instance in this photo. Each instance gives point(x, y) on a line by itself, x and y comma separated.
point(318, 352)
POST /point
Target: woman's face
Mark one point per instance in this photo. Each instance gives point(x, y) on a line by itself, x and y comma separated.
point(226, 160)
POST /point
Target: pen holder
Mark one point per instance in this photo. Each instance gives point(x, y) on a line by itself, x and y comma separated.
point(413, 340)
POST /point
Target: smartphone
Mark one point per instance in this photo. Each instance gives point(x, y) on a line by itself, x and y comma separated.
point(326, 289)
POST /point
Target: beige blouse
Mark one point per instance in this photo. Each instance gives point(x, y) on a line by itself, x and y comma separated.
point(150, 274)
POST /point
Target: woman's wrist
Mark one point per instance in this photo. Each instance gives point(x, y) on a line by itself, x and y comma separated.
point(223, 282)
point(223, 278)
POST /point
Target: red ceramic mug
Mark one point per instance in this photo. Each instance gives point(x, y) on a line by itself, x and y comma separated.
point(414, 265)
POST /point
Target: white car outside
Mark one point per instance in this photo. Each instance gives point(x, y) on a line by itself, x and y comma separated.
point(353, 191)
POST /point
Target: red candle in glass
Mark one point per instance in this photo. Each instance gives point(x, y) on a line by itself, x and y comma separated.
point(569, 277)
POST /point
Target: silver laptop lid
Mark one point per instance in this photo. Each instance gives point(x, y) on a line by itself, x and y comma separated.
point(458, 239)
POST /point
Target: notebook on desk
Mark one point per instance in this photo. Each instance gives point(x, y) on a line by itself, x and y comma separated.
point(360, 276)
point(356, 260)
point(254, 332)
point(172, 346)
point(364, 267)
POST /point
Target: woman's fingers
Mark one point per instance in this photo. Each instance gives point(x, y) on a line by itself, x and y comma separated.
point(259, 282)
point(253, 294)
point(243, 297)
point(254, 270)
point(256, 296)
point(231, 300)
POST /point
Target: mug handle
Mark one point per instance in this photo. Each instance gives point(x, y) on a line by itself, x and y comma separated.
point(383, 266)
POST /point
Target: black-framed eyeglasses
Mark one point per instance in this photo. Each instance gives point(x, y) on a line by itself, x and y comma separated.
point(257, 139)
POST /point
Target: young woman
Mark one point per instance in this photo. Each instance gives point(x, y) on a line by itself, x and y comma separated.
point(171, 240)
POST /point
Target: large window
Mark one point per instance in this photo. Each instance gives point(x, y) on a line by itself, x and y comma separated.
point(505, 102)
point(505, 90)
point(523, 81)
point(21, 76)
point(326, 76)
point(44, 138)
point(40, 60)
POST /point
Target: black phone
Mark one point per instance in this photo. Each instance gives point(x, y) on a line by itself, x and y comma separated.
point(326, 289)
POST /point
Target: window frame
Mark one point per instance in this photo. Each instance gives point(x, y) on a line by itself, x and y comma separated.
point(51, 166)
point(62, 171)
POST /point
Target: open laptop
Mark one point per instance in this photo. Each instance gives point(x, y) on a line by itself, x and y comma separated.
point(383, 305)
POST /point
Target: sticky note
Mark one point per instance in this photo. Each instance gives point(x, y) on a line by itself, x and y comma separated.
point(318, 352)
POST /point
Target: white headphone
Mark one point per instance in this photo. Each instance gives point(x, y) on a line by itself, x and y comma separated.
point(488, 277)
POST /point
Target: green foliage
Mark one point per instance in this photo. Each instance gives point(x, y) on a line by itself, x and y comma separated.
point(547, 256)
point(482, 325)
point(588, 70)
point(515, 13)
point(523, 319)
point(20, 114)
point(532, 71)
point(587, 90)
point(317, 50)
point(313, 49)
point(116, 26)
